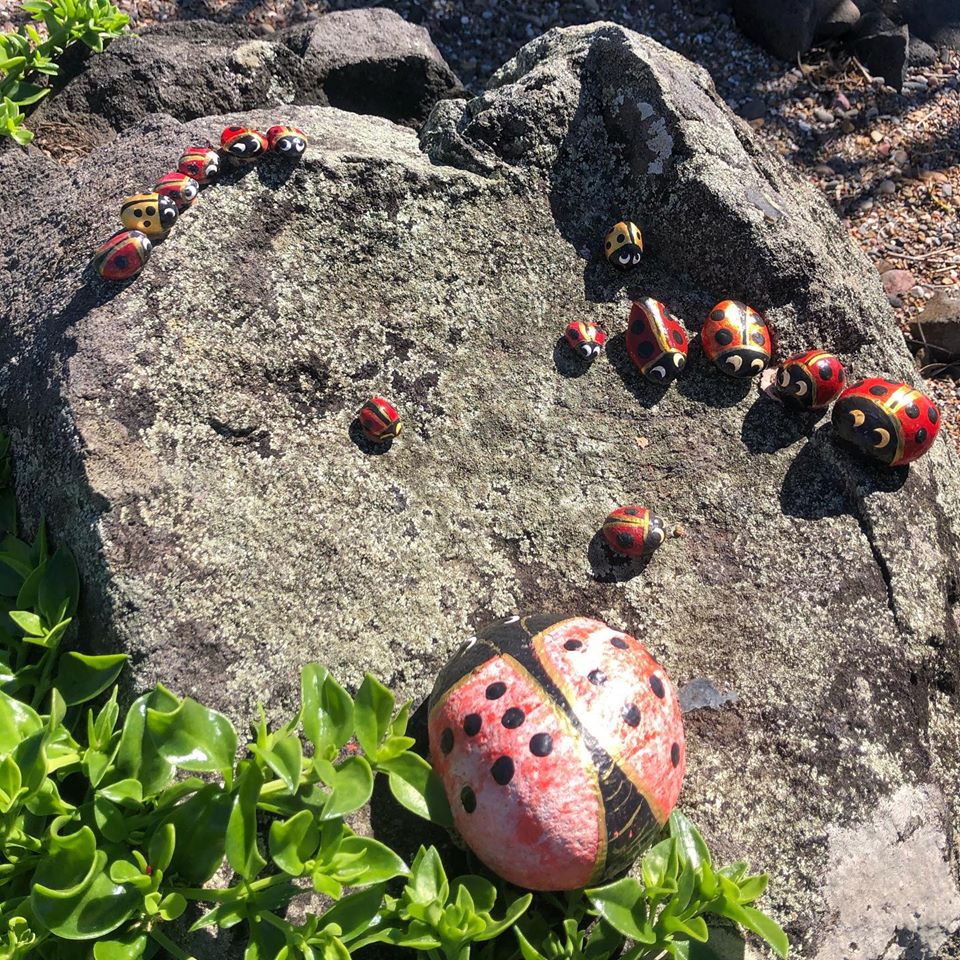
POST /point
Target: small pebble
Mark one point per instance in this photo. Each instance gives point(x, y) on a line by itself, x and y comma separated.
point(804, 126)
point(824, 116)
point(887, 188)
point(947, 190)
point(876, 136)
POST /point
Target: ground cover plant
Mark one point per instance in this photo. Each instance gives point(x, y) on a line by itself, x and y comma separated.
point(27, 54)
point(121, 829)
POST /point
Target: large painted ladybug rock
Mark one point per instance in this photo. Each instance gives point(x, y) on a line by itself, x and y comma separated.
point(201, 163)
point(288, 141)
point(150, 213)
point(179, 187)
point(585, 338)
point(736, 338)
point(890, 421)
point(560, 746)
point(123, 256)
point(633, 531)
point(810, 380)
point(243, 143)
point(656, 342)
point(379, 420)
point(623, 245)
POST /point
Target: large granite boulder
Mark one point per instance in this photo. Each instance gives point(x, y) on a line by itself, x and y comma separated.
point(365, 61)
point(189, 436)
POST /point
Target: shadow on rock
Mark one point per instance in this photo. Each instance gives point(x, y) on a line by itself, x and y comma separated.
point(232, 171)
point(609, 567)
point(703, 382)
point(568, 362)
point(770, 426)
point(365, 445)
point(274, 171)
point(647, 394)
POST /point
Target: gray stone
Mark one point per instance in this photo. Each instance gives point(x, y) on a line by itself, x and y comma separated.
point(938, 327)
point(189, 434)
point(700, 694)
point(784, 27)
point(368, 61)
point(839, 21)
point(921, 53)
point(882, 46)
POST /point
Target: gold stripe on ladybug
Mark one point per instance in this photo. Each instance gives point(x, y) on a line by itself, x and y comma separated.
point(150, 213)
point(123, 256)
point(623, 246)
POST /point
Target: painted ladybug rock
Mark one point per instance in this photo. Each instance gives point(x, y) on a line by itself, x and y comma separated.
point(633, 531)
point(585, 338)
point(810, 380)
point(123, 256)
point(736, 338)
point(623, 245)
point(890, 421)
point(179, 187)
point(201, 163)
point(242, 143)
point(560, 746)
point(656, 342)
point(379, 420)
point(288, 141)
point(150, 213)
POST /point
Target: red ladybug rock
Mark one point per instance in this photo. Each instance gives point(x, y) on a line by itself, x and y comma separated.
point(890, 421)
point(123, 256)
point(379, 420)
point(201, 163)
point(633, 531)
point(810, 380)
point(656, 342)
point(585, 338)
point(243, 143)
point(288, 141)
point(179, 187)
point(560, 745)
point(736, 338)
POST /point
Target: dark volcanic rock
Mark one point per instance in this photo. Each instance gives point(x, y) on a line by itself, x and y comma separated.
point(188, 435)
point(369, 61)
point(784, 27)
point(883, 47)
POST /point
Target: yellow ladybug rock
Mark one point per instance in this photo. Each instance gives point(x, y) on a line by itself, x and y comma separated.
point(150, 213)
point(623, 246)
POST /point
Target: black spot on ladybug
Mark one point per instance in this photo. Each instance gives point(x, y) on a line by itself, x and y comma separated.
point(502, 770)
point(933, 414)
point(841, 375)
point(921, 434)
point(469, 799)
point(597, 677)
point(913, 411)
point(446, 740)
point(620, 238)
point(716, 315)
point(541, 744)
point(572, 645)
point(630, 512)
point(151, 210)
point(619, 643)
point(757, 337)
point(138, 213)
point(677, 338)
point(631, 715)
point(724, 337)
point(878, 390)
point(472, 724)
point(513, 718)
point(146, 223)
point(121, 262)
point(825, 371)
point(656, 685)
point(496, 690)
point(675, 754)
point(645, 349)
point(625, 539)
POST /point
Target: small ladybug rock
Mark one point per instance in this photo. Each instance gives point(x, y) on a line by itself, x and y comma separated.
point(559, 743)
point(288, 141)
point(585, 338)
point(242, 143)
point(736, 338)
point(379, 420)
point(150, 213)
point(623, 246)
point(890, 421)
point(123, 256)
point(656, 342)
point(810, 380)
point(179, 187)
point(201, 163)
point(633, 531)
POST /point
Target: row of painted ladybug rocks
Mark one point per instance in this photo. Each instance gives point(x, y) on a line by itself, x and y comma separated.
point(148, 217)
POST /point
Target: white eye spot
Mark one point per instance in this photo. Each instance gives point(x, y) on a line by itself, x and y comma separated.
point(637, 258)
point(285, 146)
point(757, 364)
point(596, 349)
point(300, 145)
point(657, 534)
point(508, 620)
point(586, 350)
point(783, 378)
point(147, 245)
point(659, 371)
point(884, 438)
point(624, 258)
point(239, 148)
point(735, 363)
point(858, 417)
point(801, 389)
point(189, 191)
point(678, 361)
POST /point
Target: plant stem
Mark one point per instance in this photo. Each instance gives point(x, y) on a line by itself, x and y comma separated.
point(169, 945)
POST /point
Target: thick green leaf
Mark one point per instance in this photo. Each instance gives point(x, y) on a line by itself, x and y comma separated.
point(758, 923)
point(483, 893)
point(351, 785)
point(59, 589)
point(372, 711)
point(82, 677)
point(126, 793)
point(516, 910)
point(27, 595)
point(293, 841)
point(201, 826)
point(623, 906)
point(10, 783)
point(690, 845)
point(415, 784)
point(378, 861)
point(752, 888)
point(355, 914)
point(17, 722)
point(138, 755)
point(285, 759)
point(193, 737)
point(428, 880)
point(327, 709)
point(28, 622)
point(527, 950)
point(161, 847)
point(241, 845)
point(130, 946)
point(31, 757)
